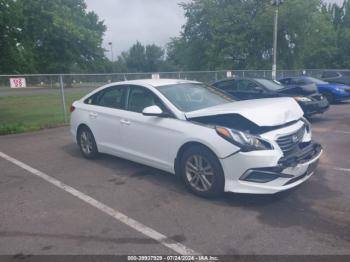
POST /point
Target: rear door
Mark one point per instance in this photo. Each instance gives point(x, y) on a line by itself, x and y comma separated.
point(105, 111)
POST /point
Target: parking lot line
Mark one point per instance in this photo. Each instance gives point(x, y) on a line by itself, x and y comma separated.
point(147, 231)
point(340, 132)
point(341, 169)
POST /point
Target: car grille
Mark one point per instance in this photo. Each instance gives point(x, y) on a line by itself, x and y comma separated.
point(288, 143)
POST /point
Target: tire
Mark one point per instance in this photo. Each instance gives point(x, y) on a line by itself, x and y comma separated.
point(87, 143)
point(330, 97)
point(195, 163)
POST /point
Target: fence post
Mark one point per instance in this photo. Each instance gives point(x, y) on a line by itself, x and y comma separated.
point(63, 100)
point(216, 76)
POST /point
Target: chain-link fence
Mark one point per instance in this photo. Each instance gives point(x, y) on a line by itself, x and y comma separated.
point(45, 99)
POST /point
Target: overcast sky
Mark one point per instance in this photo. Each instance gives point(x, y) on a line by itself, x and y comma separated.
point(148, 21)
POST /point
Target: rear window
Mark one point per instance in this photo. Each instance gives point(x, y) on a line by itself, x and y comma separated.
point(113, 97)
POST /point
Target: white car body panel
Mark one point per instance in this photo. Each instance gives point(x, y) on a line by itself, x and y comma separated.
point(156, 141)
point(157, 145)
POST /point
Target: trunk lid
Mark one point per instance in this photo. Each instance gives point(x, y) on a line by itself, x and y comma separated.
point(262, 112)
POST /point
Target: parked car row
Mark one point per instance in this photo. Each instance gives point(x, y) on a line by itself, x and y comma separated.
point(306, 96)
point(334, 92)
point(313, 95)
point(207, 137)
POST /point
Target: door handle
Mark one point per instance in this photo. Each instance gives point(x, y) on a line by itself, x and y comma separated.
point(93, 115)
point(125, 122)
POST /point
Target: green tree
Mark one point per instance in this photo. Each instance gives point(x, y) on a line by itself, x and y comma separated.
point(135, 58)
point(55, 36)
point(238, 34)
point(140, 58)
point(341, 21)
point(12, 58)
point(154, 56)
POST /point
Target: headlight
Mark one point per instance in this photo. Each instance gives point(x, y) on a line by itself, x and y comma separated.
point(302, 99)
point(245, 141)
point(340, 90)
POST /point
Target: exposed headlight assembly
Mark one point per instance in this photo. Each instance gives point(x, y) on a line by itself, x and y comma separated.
point(307, 124)
point(302, 99)
point(245, 141)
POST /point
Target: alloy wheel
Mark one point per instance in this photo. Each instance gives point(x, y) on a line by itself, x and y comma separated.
point(199, 173)
point(86, 142)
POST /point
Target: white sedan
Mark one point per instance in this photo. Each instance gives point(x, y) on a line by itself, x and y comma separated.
point(215, 144)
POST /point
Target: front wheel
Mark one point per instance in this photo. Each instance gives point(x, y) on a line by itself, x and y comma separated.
point(87, 143)
point(202, 172)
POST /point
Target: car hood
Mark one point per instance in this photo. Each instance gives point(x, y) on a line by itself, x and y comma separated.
point(262, 112)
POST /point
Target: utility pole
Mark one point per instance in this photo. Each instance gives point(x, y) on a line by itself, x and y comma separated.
point(275, 3)
point(112, 55)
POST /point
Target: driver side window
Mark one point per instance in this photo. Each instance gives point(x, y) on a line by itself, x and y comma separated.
point(140, 98)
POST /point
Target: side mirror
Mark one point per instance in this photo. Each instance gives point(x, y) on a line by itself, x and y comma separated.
point(152, 111)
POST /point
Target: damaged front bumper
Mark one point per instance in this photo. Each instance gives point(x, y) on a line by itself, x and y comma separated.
point(282, 172)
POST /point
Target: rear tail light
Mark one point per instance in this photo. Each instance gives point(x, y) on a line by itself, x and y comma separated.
point(72, 108)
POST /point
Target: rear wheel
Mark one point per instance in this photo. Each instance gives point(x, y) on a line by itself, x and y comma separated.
point(330, 97)
point(202, 172)
point(87, 143)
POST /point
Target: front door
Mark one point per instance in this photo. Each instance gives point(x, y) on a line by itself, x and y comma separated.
point(145, 139)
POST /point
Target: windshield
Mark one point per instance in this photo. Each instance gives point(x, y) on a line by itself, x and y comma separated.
point(271, 85)
point(315, 80)
point(190, 96)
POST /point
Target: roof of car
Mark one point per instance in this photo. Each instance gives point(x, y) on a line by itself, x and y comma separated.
point(157, 82)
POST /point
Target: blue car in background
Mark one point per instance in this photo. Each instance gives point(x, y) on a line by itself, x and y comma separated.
point(332, 91)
